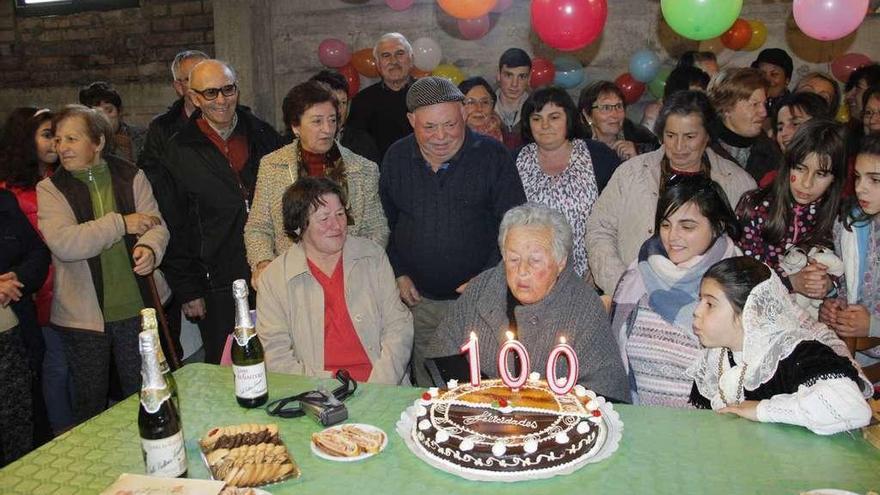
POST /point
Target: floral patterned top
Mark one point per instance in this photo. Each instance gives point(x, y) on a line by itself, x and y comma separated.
point(573, 192)
point(753, 212)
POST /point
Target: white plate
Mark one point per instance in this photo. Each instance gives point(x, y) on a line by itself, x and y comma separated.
point(828, 491)
point(323, 455)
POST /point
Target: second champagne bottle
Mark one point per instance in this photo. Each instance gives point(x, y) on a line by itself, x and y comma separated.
point(248, 363)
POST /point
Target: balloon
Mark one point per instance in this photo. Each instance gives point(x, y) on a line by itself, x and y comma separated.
point(738, 36)
point(643, 65)
point(351, 75)
point(842, 114)
point(569, 71)
point(569, 25)
point(467, 9)
point(632, 90)
point(501, 6)
point(829, 19)
point(474, 29)
point(759, 36)
point(700, 19)
point(656, 86)
point(399, 4)
point(417, 73)
point(713, 45)
point(843, 66)
point(426, 53)
point(334, 53)
point(450, 72)
point(543, 73)
point(363, 61)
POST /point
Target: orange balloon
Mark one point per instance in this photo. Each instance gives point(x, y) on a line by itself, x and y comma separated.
point(738, 36)
point(467, 9)
point(364, 63)
point(417, 73)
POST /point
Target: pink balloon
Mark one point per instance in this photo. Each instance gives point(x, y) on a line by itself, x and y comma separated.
point(474, 29)
point(334, 53)
point(399, 4)
point(829, 19)
point(569, 25)
point(501, 6)
point(843, 66)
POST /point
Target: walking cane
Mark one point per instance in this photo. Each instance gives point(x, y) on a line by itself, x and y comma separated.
point(163, 322)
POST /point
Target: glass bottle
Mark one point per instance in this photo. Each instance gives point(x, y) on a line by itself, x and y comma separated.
point(248, 362)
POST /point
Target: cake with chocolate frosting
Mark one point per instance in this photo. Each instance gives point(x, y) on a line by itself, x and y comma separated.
point(499, 433)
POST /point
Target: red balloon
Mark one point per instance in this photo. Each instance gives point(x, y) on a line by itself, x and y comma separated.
point(843, 66)
point(569, 25)
point(543, 72)
point(738, 36)
point(632, 90)
point(353, 78)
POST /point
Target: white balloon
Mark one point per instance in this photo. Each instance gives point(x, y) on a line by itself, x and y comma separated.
point(426, 54)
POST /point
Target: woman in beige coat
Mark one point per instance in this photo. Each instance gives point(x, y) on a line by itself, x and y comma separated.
point(330, 301)
point(623, 216)
point(311, 112)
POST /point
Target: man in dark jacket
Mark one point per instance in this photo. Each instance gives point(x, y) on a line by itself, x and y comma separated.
point(212, 170)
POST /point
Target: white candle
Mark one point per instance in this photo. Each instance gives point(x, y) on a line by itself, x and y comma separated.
point(562, 349)
point(472, 347)
point(516, 346)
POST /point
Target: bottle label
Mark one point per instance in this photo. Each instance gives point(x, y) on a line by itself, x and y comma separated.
point(165, 456)
point(250, 381)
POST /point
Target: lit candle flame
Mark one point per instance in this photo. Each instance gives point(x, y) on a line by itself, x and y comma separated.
point(562, 340)
point(509, 335)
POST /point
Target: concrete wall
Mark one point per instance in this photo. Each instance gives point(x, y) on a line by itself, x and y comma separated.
point(285, 35)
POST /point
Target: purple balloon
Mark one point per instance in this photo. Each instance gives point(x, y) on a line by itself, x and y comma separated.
point(501, 6)
point(399, 4)
point(474, 29)
point(829, 19)
point(334, 53)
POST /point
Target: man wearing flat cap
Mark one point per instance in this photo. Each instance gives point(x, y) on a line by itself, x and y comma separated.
point(445, 189)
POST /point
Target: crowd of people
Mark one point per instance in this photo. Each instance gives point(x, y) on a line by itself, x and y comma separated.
point(711, 254)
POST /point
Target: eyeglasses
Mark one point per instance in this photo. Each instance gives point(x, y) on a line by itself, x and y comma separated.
point(291, 407)
point(485, 102)
point(869, 114)
point(212, 93)
point(608, 108)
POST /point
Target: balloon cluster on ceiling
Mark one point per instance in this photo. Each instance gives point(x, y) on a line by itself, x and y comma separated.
point(569, 25)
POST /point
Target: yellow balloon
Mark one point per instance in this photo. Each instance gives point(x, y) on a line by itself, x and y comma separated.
point(713, 45)
point(842, 114)
point(450, 72)
point(759, 36)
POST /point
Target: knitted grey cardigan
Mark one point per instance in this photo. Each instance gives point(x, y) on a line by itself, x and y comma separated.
point(571, 310)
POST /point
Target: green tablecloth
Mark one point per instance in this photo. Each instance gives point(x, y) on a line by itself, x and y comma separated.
point(662, 451)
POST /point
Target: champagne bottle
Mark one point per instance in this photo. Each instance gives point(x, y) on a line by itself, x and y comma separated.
point(149, 323)
point(248, 364)
point(158, 421)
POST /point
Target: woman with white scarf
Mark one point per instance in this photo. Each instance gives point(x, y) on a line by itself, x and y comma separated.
point(653, 305)
point(766, 360)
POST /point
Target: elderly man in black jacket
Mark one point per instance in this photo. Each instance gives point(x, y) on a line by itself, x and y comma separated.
point(211, 166)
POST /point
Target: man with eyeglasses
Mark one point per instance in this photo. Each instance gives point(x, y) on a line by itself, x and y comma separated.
point(444, 189)
point(211, 165)
point(380, 109)
point(514, 71)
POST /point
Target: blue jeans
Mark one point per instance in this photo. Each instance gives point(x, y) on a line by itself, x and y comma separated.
point(56, 382)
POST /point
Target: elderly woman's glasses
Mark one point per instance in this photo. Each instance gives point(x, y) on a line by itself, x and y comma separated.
point(484, 102)
point(608, 108)
point(212, 93)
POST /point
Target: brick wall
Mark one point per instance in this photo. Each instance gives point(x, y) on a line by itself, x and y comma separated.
point(47, 58)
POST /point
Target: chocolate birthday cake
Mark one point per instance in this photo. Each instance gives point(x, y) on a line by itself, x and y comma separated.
point(501, 434)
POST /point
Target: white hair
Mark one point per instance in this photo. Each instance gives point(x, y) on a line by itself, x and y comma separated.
point(538, 215)
point(392, 37)
point(184, 56)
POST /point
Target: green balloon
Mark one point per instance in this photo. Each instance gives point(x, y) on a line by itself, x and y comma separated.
point(700, 19)
point(657, 85)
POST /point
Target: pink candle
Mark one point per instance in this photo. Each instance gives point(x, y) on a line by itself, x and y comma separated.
point(517, 347)
point(562, 349)
point(472, 347)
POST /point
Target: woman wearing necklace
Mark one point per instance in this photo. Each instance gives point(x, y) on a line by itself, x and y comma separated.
point(623, 216)
point(558, 168)
point(766, 360)
point(311, 112)
point(655, 300)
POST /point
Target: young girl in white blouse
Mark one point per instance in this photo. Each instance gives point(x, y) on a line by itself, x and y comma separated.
point(767, 360)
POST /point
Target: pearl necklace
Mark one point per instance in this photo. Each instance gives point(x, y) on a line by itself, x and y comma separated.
point(742, 376)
